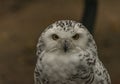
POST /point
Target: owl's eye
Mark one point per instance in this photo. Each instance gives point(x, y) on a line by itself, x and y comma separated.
point(55, 37)
point(76, 37)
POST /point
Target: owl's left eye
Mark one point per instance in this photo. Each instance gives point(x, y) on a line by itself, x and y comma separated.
point(76, 37)
point(55, 37)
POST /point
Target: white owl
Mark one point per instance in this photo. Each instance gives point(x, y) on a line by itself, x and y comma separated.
point(67, 54)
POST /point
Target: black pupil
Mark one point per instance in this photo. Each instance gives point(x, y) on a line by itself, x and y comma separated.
point(76, 36)
point(55, 37)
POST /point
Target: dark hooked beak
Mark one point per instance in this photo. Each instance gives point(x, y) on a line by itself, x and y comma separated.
point(66, 46)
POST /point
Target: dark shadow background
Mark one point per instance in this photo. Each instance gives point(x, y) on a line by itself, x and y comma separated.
point(21, 22)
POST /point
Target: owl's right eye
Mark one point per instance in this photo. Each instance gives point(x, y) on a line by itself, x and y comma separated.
point(55, 37)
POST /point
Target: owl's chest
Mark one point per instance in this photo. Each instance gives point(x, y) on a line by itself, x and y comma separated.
point(60, 66)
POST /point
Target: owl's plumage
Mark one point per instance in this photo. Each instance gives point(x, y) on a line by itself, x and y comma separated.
point(67, 54)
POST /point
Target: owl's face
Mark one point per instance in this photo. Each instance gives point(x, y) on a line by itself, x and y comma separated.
point(65, 36)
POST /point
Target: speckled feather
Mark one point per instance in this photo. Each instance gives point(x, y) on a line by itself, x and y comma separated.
point(80, 65)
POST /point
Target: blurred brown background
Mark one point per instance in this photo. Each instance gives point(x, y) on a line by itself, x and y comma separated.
point(21, 22)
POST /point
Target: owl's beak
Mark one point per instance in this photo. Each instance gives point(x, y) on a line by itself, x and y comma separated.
point(66, 45)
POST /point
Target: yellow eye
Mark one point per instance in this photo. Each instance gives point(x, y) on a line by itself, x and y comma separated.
point(55, 37)
point(76, 37)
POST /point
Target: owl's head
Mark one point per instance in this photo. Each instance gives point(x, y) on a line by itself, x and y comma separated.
point(65, 36)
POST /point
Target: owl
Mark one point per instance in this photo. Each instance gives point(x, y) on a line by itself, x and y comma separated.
point(67, 54)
